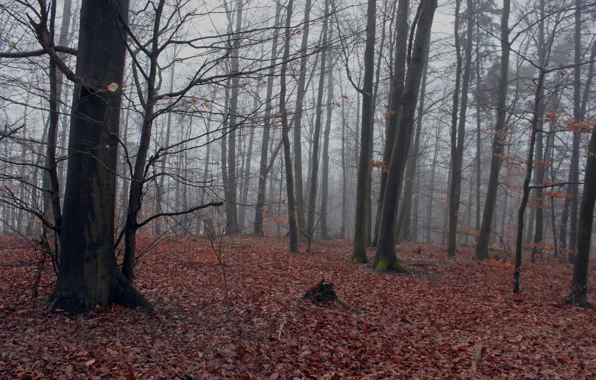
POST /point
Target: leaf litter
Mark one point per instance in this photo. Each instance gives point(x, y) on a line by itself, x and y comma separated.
point(448, 319)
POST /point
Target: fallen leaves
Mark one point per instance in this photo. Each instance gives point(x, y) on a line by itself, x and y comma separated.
point(448, 320)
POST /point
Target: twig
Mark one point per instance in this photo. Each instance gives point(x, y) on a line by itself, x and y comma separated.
point(281, 328)
point(211, 235)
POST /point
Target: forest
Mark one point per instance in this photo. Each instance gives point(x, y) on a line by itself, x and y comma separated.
point(290, 189)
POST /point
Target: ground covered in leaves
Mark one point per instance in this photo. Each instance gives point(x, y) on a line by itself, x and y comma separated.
point(449, 319)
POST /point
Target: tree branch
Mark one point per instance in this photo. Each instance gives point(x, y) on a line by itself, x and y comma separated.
point(37, 53)
point(196, 208)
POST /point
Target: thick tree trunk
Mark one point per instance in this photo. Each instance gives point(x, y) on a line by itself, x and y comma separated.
point(372, 229)
point(565, 215)
point(396, 91)
point(403, 223)
point(364, 165)
point(88, 273)
point(385, 257)
point(498, 140)
point(579, 290)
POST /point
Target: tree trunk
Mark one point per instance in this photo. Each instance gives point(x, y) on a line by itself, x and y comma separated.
point(285, 134)
point(372, 229)
point(164, 159)
point(526, 187)
point(325, 179)
point(396, 90)
point(231, 199)
point(385, 257)
point(23, 192)
point(498, 140)
point(478, 130)
point(298, 118)
point(246, 174)
point(364, 165)
point(88, 273)
point(312, 198)
point(579, 290)
point(431, 196)
point(344, 169)
point(263, 167)
point(457, 138)
point(138, 177)
point(403, 223)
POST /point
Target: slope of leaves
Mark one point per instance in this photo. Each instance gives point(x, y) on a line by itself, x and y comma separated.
point(449, 319)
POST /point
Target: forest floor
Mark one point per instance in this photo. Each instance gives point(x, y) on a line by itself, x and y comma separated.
point(448, 319)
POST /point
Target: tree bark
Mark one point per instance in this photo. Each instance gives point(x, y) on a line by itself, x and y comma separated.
point(396, 91)
point(263, 166)
point(385, 257)
point(138, 177)
point(431, 196)
point(160, 190)
point(457, 139)
point(231, 206)
point(579, 289)
point(285, 134)
point(526, 186)
point(88, 273)
point(498, 140)
point(403, 223)
point(364, 164)
point(246, 173)
point(301, 93)
point(325, 179)
point(312, 198)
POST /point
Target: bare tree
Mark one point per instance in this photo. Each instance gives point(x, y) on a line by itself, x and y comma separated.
point(385, 258)
point(498, 139)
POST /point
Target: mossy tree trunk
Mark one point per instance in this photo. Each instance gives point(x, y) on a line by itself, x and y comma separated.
point(394, 109)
